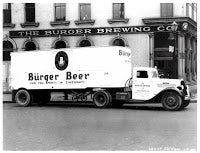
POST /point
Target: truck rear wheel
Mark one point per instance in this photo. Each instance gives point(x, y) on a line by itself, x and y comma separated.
point(171, 101)
point(102, 99)
point(23, 97)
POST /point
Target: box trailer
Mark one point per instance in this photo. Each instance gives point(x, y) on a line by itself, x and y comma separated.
point(105, 73)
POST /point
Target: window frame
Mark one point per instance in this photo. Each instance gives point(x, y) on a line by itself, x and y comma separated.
point(60, 10)
point(142, 74)
point(191, 10)
point(88, 20)
point(7, 13)
point(119, 14)
point(28, 13)
point(80, 12)
point(167, 12)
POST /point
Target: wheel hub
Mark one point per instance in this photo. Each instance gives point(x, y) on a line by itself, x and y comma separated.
point(22, 97)
point(171, 101)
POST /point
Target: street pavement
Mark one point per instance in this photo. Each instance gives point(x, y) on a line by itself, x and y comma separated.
point(83, 127)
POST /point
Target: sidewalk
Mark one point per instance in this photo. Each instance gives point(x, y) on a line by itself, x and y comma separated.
point(193, 91)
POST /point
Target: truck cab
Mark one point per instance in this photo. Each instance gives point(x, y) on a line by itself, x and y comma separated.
point(146, 87)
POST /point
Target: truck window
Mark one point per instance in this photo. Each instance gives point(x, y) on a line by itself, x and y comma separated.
point(142, 74)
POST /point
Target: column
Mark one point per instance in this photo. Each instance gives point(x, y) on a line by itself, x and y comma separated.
point(188, 64)
point(151, 49)
point(181, 56)
point(193, 61)
point(196, 58)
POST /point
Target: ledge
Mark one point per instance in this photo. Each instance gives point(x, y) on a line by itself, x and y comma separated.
point(59, 23)
point(8, 25)
point(168, 20)
point(78, 22)
point(31, 24)
point(111, 21)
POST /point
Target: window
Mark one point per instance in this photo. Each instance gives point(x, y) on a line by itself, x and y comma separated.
point(191, 10)
point(30, 12)
point(60, 11)
point(118, 14)
point(84, 43)
point(118, 10)
point(7, 13)
point(166, 9)
point(85, 11)
point(7, 49)
point(118, 42)
point(142, 74)
point(84, 14)
point(30, 46)
point(60, 15)
point(60, 44)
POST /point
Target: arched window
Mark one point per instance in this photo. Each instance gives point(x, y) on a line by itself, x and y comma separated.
point(85, 43)
point(118, 42)
point(60, 44)
point(30, 46)
point(7, 48)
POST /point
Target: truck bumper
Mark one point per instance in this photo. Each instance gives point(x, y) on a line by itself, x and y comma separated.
point(188, 96)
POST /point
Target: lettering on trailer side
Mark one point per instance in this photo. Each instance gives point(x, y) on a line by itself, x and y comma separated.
point(70, 76)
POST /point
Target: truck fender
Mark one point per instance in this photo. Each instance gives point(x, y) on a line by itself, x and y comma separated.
point(172, 89)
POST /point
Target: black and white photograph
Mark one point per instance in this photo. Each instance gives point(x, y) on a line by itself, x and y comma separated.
point(91, 75)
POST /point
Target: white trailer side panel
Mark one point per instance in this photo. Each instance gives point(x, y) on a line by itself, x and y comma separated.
point(88, 67)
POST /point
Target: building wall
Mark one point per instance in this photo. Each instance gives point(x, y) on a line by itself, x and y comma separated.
point(100, 12)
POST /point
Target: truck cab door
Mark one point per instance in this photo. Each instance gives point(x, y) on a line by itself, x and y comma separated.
point(141, 89)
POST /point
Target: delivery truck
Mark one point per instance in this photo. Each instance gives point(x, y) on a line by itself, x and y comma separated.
point(106, 74)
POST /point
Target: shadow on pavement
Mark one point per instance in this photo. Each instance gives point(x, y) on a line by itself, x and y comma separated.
point(91, 105)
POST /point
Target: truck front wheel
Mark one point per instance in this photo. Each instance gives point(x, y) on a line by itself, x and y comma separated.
point(102, 99)
point(23, 97)
point(171, 101)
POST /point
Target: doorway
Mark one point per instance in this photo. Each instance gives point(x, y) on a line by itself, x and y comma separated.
point(165, 68)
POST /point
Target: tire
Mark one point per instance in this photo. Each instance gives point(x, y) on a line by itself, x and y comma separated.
point(171, 101)
point(186, 103)
point(102, 99)
point(23, 97)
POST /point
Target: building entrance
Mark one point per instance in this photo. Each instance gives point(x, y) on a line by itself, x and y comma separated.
point(165, 58)
point(165, 68)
